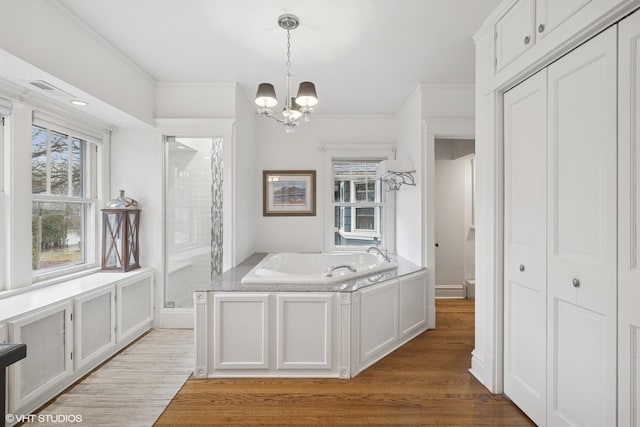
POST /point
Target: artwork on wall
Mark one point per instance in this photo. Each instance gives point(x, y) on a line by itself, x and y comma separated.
point(289, 193)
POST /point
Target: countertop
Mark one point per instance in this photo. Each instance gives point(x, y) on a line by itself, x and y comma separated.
point(229, 281)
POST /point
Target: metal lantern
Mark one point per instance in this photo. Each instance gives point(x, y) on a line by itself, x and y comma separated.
point(120, 239)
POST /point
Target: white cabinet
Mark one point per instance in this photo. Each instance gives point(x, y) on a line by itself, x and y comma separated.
point(582, 239)
point(514, 32)
point(629, 222)
point(561, 241)
point(306, 334)
point(70, 328)
point(387, 315)
point(551, 13)
point(134, 306)
point(94, 326)
point(298, 328)
point(525, 245)
point(48, 335)
point(528, 22)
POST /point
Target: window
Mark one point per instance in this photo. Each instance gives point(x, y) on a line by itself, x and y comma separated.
point(358, 204)
point(63, 186)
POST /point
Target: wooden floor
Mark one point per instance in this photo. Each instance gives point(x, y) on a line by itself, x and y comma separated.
point(424, 383)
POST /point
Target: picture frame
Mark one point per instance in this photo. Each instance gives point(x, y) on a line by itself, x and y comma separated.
point(289, 193)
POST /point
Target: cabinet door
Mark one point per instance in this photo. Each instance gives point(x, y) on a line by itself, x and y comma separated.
point(525, 245)
point(582, 242)
point(378, 321)
point(551, 13)
point(305, 330)
point(241, 331)
point(94, 326)
point(629, 222)
point(48, 335)
point(134, 307)
point(413, 304)
point(514, 32)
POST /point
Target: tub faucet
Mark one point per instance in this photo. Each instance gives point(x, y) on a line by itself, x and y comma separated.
point(329, 271)
point(382, 254)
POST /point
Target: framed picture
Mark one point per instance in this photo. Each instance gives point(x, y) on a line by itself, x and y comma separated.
point(289, 193)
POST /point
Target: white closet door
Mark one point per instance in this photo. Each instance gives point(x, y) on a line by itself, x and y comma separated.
point(629, 222)
point(582, 243)
point(525, 275)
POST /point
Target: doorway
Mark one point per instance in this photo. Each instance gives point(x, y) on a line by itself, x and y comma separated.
point(454, 218)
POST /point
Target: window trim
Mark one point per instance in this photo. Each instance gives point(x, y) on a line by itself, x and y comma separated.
point(361, 152)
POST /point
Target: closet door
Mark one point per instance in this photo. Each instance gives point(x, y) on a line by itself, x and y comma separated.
point(525, 267)
point(629, 222)
point(582, 242)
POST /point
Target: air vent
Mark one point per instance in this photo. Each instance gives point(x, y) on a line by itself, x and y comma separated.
point(51, 89)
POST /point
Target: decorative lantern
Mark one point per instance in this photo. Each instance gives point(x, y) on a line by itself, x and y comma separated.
point(120, 225)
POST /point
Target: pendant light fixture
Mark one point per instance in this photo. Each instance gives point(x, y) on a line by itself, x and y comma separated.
point(295, 108)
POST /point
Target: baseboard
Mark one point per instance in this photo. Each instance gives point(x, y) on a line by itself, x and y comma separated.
point(450, 291)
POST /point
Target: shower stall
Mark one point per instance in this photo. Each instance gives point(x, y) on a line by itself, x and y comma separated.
point(193, 216)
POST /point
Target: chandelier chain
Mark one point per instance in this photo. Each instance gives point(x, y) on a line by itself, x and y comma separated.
point(288, 50)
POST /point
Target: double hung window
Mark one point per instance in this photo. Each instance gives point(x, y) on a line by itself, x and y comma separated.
point(63, 184)
point(358, 203)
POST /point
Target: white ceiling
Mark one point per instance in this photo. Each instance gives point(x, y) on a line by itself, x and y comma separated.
point(365, 56)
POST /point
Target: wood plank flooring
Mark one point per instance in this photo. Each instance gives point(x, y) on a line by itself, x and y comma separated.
point(133, 388)
point(424, 383)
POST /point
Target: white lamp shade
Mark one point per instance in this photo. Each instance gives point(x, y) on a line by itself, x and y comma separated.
point(307, 96)
point(266, 95)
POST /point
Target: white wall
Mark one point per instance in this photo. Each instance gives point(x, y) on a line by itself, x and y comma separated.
point(277, 150)
point(137, 168)
point(448, 100)
point(409, 218)
point(46, 35)
point(247, 193)
point(454, 259)
point(196, 100)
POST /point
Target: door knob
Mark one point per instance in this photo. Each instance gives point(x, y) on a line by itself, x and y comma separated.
point(527, 39)
point(540, 28)
point(576, 283)
point(437, 245)
point(521, 267)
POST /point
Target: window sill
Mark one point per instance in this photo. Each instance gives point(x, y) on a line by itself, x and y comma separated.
point(49, 282)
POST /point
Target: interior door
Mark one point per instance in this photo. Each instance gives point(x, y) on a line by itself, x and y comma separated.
point(525, 267)
point(629, 222)
point(582, 242)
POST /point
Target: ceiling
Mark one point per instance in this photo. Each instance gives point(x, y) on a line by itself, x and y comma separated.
point(365, 56)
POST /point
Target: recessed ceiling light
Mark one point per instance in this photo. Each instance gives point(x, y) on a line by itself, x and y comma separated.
point(79, 103)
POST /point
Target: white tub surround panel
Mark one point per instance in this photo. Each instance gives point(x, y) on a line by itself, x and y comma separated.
point(70, 328)
point(331, 330)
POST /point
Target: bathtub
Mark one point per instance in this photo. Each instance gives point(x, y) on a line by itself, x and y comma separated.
point(286, 267)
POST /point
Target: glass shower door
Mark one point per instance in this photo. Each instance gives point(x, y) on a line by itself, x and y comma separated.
point(193, 216)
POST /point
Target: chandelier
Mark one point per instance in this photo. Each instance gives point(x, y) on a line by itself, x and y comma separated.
point(294, 108)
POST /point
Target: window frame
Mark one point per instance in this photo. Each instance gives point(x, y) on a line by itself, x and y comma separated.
point(4, 133)
point(89, 200)
point(364, 152)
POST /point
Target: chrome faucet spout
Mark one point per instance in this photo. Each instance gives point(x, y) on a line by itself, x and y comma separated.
point(329, 271)
point(382, 254)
